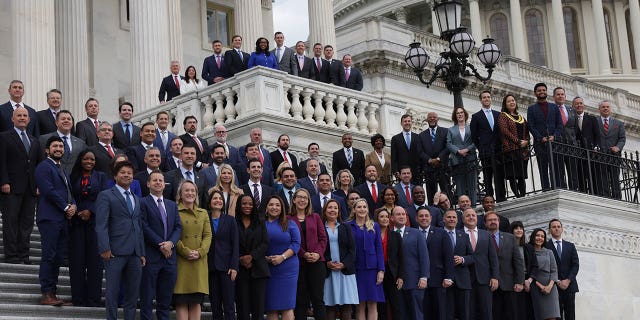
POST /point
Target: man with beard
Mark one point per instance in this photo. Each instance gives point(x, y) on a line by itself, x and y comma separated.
point(282, 155)
point(210, 173)
point(190, 139)
point(213, 68)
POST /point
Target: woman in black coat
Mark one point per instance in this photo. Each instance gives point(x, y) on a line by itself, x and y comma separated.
point(524, 308)
point(393, 266)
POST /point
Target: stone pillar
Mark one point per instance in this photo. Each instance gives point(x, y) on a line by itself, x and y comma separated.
point(267, 19)
point(321, 26)
point(476, 24)
point(621, 26)
point(634, 11)
point(517, 31)
point(434, 22)
point(604, 66)
point(591, 58)
point(175, 30)
point(72, 55)
point(401, 15)
point(248, 23)
point(149, 51)
point(560, 51)
point(34, 48)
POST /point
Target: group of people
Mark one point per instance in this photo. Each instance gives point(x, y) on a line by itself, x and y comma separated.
point(219, 66)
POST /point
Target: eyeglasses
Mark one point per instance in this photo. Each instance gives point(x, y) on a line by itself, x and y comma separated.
point(221, 132)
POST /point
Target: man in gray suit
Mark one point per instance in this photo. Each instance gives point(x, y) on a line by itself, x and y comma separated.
point(613, 139)
point(511, 265)
point(285, 56)
point(72, 145)
point(569, 120)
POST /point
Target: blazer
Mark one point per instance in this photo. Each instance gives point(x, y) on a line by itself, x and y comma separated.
point(313, 238)
point(153, 229)
point(487, 140)
point(569, 129)
point(402, 196)
point(233, 63)
point(281, 193)
point(77, 146)
point(308, 69)
point(302, 169)
point(364, 191)
point(372, 257)
point(103, 158)
point(164, 149)
point(462, 248)
point(242, 153)
point(254, 241)
point(86, 131)
point(440, 257)
point(316, 203)
point(119, 140)
point(168, 88)
point(354, 82)
point(385, 175)
point(510, 261)
point(589, 136)
point(85, 197)
point(46, 121)
point(172, 180)
point(6, 113)
point(116, 229)
point(614, 137)
point(307, 183)
point(401, 156)
point(143, 178)
point(416, 258)
point(539, 126)
point(202, 156)
point(335, 75)
point(277, 159)
point(323, 74)
point(211, 177)
point(287, 61)
point(455, 143)
point(434, 149)
point(55, 192)
point(339, 162)
point(224, 250)
point(267, 192)
point(395, 255)
point(210, 68)
point(509, 134)
point(568, 264)
point(17, 166)
point(347, 249)
point(486, 265)
point(136, 154)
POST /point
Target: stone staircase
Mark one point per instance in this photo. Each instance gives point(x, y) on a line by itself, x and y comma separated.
point(20, 291)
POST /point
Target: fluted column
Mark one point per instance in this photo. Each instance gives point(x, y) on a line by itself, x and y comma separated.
point(560, 51)
point(34, 48)
point(248, 22)
point(623, 43)
point(149, 51)
point(634, 11)
point(321, 26)
point(517, 31)
point(476, 25)
point(604, 66)
point(175, 30)
point(434, 22)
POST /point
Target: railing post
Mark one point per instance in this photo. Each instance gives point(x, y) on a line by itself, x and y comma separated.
point(552, 179)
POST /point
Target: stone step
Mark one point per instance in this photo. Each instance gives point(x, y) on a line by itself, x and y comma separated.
point(31, 288)
point(38, 312)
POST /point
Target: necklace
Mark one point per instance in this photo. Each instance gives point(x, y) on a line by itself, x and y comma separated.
point(519, 119)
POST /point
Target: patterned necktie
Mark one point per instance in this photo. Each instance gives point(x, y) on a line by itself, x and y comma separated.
point(175, 78)
point(256, 195)
point(349, 156)
point(563, 114)
point(433, 135)
point(290, 196)
point(163, 216)
point(189, 176)
point(606, 126)
point(324, 201)
point(315, 185)
point(197, 142)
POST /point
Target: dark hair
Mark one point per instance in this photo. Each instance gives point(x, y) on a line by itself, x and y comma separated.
point(404, 166)
point(554, 220)
point(283, 221)
point(89, 100)
point(483, 92)
point(54, 91)
point(253, 160)
point(287, 169)
point(216, 41)
point(277, 33)
point(52, 139)
point(195, 77)
point(76, 171)
point(283, 135)
point(211, 193)
point(312, 144)
point(64, 112)
point(253, 216)
point(406, 115)
point(539, 84)
point(395, 194)
point(122, 164)
point(266, 50)
point(324, 210)
point(126, 103)
point(328, 46)
point(216, 146)
point(453, 114)
point(532, 237)
point(558, 88)
point(184, 122)
point(353, 191)
point(236, 36)
point(513, 226)
point(504, 103)
point(250, 145)
point(317, 44)
point(161, 112)
point(378, 136)
point(148, 123)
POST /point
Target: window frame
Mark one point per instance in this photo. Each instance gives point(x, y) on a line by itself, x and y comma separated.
point(209, 5)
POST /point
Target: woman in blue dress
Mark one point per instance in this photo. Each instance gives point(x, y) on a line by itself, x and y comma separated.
point(340, 287)
point(284, 243)
point(262, 56)
point(369, 261)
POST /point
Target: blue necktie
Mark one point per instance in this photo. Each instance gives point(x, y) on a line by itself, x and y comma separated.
point(453, 239)
point(407, 139)
point(128, 201)
point(489, 118)
point(189, 176)
point(558, 248)
point(25, 141)
point(67, 147)
point(433, 135)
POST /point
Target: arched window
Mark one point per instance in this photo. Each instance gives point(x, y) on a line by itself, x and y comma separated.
point(607, 28)
point(632, 50)
point(500, 32)
point(573, 38)
point(535, 37)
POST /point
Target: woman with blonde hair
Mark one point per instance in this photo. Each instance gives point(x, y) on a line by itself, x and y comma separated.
point(344, 183)
point(226, 184)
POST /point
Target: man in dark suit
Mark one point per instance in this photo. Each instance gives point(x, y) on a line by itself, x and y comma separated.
point(418, 197)
point(324, 194)
point(303, 63)
point(72, 145)
point(260, 191)
point(459, 294)
point(213, 67)
point(314, 152)
point(440, 266)
point(310, 182)
point(435, 156)
point(136, 152)
point(121, 241)
point(320, 66)
point(19, 155)
point(484, 271)
point(190, 139)
point(416, 265)
point(186, 171)
point(163, 135)
point(405, 199)
point(55, 206)
point(170, 86)
point(125, 133)
point(486, 137)
point(172, 160)
point(152, 162)
point(568, 118)
point(371, 189)
point(545, 124)
point(252, 151)
point(235, 60)
point(104, 151)
point(588, 137)
point(335, 65)
point(232, 155)
point(568, 265)
point(511, 265)
point(255, 136)
point(47, 117)
point(282, 154)
point(289, 187)
point(285, 56)
point(349, 76)
point(489, 204)
point(87, 129)
point(162, 228)
point(349, 158)
point(16, 92)
point(613, 139)
point(406, 150)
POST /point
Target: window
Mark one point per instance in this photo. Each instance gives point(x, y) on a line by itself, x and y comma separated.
point(573, 38)
point(535, 37)
point(607, 28)
point(219, 23)
point(500, 32)
point(632, 50)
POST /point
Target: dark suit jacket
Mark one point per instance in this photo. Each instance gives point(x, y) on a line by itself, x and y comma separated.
point(210, 68)
point(203, 156)
point(589, 136)
point(541, 127)
point(103, 158)
point(347, 249)
point(336, 72)
point(77, 146)
point(55, 192)
point(242, 153)
point(87, 201)
point(395, 254)
point(511, 262)
point(402, 196)
point(164, 150)
point(277, 159)
point(401, 156)
point(440, 257)
point(119, 140)
point(6, 113)
point(254, 241)
point(287, 62)
point(302, 169)
point(570, 128)
point(116, 229)
point(267, 192)
point(17, 167)
point(614, 137)
point(281, 193)
point(437, 149)
point(416, 258)
point(486, 140)
point(355, 81)
point(461, 275)
point(308, 70)
point(568, 264)
point(365, 193)
point(233, 63)
point(153, 228)
point(323, 74)
point(168, 88)
point(46, 121)
point(340, 162)
point(486, 259)
point(224, 252)
point(436, 215)
point(307, 183)
point(136, 153)
point(86, 130)
point(172, 180)
point(316, 203)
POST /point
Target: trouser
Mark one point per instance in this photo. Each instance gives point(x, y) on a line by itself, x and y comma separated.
point(567, 304)
point(250, 295)
point(127, 269)
point(158, 281)
point(458, 302)
point(53, 239)
point(221, 295)
point(18, 211)
point(85, 265)
point(503, 305)
point(311, 288)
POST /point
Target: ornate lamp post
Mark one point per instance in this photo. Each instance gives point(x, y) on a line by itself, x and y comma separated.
point(453, 66)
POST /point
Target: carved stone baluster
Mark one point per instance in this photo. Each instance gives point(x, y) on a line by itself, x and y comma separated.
point(287, 102)
point(307, 108)
point(373, 123)
point(230, 110)
point(219, 113)
point(352, 120)
point(341, 116)
point(207, 118)
point(330, 114)
point(296, 107)
point(362, 118)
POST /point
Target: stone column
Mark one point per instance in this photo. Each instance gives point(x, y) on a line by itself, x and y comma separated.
point(175, 30)
point(321, 26)
point(591, 59)
point(401, 15)
point(476, 24)
point(634, 11)
point(248, 23)
point(434, 22)
point(560, 51)
point(517, 31)
point(34, 48)
point(621, 26)
point(604, 66)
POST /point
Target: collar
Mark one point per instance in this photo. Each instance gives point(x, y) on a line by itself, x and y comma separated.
point(607, 118)
point(123, 123)
point(13, 103)
point(251, 183)
point(395, 229)
point(474, 229)
point(54, 162)
point(92, 120)
point(487, 109)
point(68, 135)
point(450, 230)
point(146, 145)
point(328, 195)
point(427, 229)
point(184, 171)
point(155, 199)
point(149, 170)
point(20, 131)
point(122, 190)
point(554, 240)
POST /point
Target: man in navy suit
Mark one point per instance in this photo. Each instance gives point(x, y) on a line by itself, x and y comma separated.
point(72, 145)
point(588, 137)
point(335, 65)
point(404, 189)
point(260, 191)
point(418, 197)
point(235, 60)
point(153, 162)
point(459, 295)
point(213, 67)
point(320, 66)
point(349, 76)
point(55, 206)
point(568, 266)
point(371, 190)
point(162, 228)
point(435, 156)
point(314, 152)
point(170, 86)
point(121, 242)
point(289, 187)
point(136, 152)
point(406, 150)
point(303, 63)
point(349, 158)
point(189, 138)
point(186, 171)
point(545, 124)
point(47, 117)
point(441, 266)
point(310, 182)
point(172, 161)
point(87, 129)
point(16, 92)
point(163, 135)
point(104, 151)
point(485, 270)
point(324, 194)
point(416, 265)
point(20, 152)
point(125, 133)
point(210, 173)
point(252, 151)
point(282, 154)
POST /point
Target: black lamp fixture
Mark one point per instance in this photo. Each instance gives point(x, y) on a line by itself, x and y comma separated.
point(453, 65)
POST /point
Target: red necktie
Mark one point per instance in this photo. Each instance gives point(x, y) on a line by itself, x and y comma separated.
point(319, 64)
point(95, 123)
point(198, 143)
point(374, 194)
point(110, 151)
point(261, 156)
point(175, 78)
point(606, 126)
point(495, 243)
point(407, 194)
point(284, 154)
point(563, 115)
point(18, 105)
